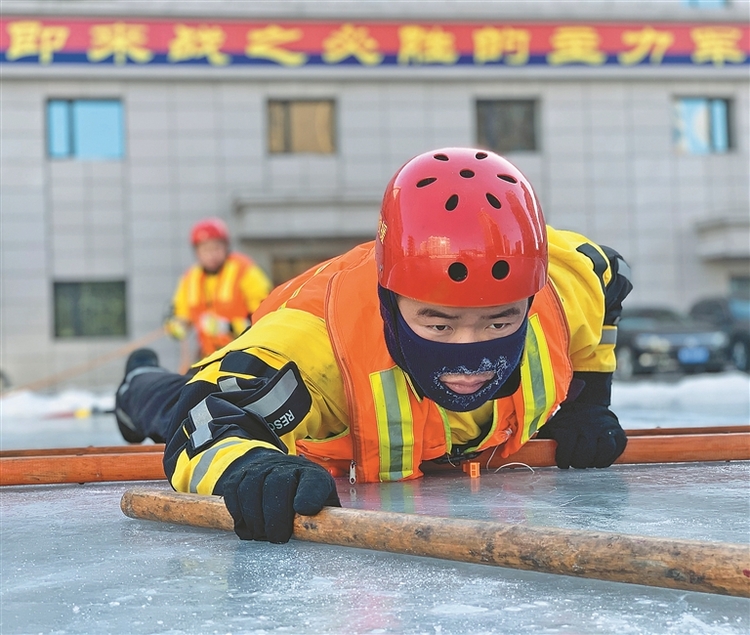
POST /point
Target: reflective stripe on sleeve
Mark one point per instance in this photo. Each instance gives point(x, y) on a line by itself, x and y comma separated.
point(609, 335)
point(277, 397)
point(623, 269)
point(205, 460)
point(229, 384)
point(200, 417)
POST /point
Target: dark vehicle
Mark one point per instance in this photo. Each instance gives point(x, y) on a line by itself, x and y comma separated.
point(731, 315)
point(655, 339)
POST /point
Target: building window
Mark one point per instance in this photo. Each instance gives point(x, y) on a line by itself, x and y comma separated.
point(90, 309)
point(705, 4)
point(301, 126)
point(507, 125)
point(85, 129)
point(702, 125)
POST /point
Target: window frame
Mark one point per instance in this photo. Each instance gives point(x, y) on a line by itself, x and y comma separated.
point(73, 153)
point(713, 148)
point(57, 327)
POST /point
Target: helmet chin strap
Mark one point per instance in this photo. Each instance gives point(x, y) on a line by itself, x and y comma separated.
point(426, 361)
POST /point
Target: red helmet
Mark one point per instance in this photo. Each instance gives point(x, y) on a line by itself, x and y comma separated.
point(207, 229)
point(461, 227)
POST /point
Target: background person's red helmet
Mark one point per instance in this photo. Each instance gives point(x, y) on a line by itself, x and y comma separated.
point(461, 227)
point(207, 229)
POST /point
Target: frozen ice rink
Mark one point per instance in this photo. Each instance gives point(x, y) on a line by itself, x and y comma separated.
point(71, 562)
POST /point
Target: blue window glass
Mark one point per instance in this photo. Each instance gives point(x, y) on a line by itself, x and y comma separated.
point(705, 4)
point(58, 128)
point(702, 125)
point(719, 125)
point(85, 129)
point(98, 129)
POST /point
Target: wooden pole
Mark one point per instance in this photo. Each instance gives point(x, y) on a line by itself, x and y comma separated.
point(148, 448)
point(651, 432)
point(144, 462)
point(690, 565)
point(159, 447)
point(678, 448)
point(81, 468)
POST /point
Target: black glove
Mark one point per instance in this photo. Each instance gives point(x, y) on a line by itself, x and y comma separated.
point(587, 435)
point(264, 489)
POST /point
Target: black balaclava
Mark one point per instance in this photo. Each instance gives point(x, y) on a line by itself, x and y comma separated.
point(425, 361)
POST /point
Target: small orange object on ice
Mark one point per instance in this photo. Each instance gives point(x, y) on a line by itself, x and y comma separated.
point(472, 468)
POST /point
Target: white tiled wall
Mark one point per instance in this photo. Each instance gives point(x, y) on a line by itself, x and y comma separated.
point(606, 168)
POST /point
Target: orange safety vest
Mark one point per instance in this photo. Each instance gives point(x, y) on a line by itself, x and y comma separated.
point(227, 302)
point(392, 430)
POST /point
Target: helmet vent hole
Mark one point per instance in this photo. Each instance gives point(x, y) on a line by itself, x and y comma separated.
point(452, 202)
point(467, 174)
point(481, 155)
point(492, 200)
point(441, 157)
point(507, 177)
point(500, 270)
point(426, 182)
point(458, 272)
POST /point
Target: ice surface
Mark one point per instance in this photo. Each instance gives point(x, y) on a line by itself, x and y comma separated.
point(72, 563)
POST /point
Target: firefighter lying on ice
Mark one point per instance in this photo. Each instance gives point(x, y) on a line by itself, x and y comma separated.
point(467, 324)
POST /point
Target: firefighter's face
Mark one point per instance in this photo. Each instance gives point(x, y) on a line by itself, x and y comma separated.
point(462, 325)
point(211, 254)
point(452, 325)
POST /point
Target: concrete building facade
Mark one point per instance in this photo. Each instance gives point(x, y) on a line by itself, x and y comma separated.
point(606, 158)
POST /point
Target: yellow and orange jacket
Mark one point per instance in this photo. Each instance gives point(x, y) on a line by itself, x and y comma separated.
point(363, 414)
point(220, 305)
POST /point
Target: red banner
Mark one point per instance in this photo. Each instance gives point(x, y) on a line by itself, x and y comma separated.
point(51, 41)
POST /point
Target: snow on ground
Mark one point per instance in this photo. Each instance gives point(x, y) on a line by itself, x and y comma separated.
point(25, 404)
point(71, 418)
point(692, 401)
point(74, 418)
point(711, 399)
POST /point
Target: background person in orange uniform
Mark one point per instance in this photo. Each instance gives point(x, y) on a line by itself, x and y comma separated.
point(219, 293)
